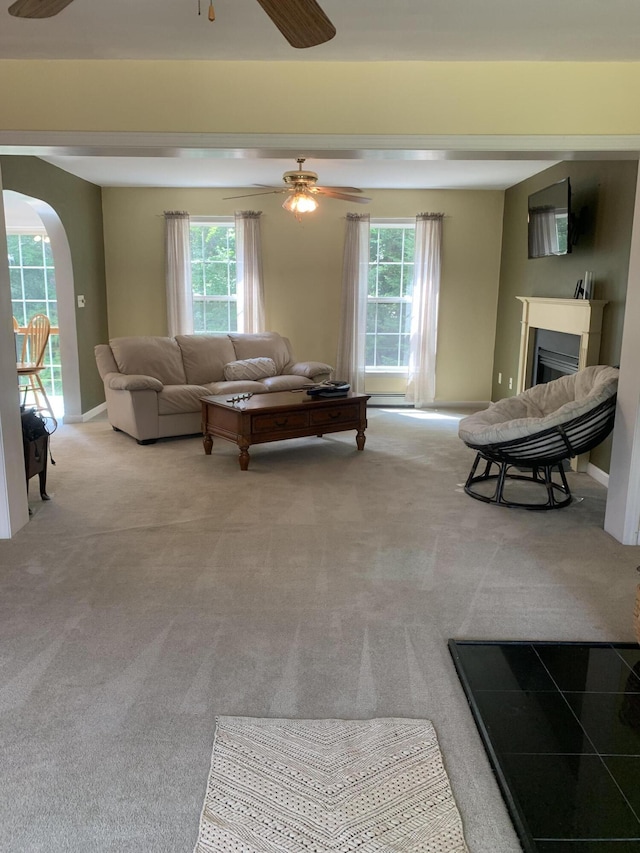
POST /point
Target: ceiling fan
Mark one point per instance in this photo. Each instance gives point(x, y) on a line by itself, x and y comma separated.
point(301, 22)
point(301, 189)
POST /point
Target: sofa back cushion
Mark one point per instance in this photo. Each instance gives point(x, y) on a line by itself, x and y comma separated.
point(150, 356)
point(204, 357)
point(262, 345)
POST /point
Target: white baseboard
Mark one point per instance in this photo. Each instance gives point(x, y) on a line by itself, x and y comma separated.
point(598, 475)
point(398, 401)
point(85, 416)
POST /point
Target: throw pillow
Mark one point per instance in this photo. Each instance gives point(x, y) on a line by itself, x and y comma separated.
point(250, 368)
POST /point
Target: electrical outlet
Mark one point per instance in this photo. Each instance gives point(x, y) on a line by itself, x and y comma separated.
point(80, 301)
point(499, 379)
point(511, 383)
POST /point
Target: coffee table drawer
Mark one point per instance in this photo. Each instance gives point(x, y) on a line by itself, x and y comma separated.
point(285, 421)
point(335, 415)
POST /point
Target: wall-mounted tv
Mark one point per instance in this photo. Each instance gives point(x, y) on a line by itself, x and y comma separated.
point(550, 220)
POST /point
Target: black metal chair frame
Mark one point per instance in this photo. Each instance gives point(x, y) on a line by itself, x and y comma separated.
point(541, 453)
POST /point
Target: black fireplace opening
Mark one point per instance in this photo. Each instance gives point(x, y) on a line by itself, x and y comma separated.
point(555, 354)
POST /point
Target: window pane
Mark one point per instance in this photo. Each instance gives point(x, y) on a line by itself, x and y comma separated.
point(407, 280)
point(387, 350)
point(16, 284)
point(216, 275)
point(34, 284)
point(409, 245)
point(389, 277)
point(389, 318)
point(13, 249)
point(404, 349)
point(373, 281)
point(217, 316)
point(197, 279)
point(196, 242)
point(31, 252)
point(198, 315)
point(370, 349)
point(373, 245)
point(390, 244)
point(406, 318)
point(372, 312)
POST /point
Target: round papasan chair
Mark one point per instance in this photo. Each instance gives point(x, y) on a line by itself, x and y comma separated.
point(536, 431)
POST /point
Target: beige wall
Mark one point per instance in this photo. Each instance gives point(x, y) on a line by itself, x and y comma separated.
point(321, 97)
point(303, 267)
point(605, 191)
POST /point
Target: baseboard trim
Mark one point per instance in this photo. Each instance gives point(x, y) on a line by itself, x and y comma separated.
point(85, 416)
point(598, 475)
point(398, 400)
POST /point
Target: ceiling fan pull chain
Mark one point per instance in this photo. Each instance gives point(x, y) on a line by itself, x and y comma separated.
point(212, 11)
point(199, 12)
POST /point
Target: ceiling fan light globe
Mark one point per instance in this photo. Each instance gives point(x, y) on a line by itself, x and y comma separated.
point(300, 203)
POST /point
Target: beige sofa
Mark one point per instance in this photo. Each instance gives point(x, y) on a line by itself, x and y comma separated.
point(153, 385)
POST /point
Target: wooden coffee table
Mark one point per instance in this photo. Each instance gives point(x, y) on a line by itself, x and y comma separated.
point(280, 415)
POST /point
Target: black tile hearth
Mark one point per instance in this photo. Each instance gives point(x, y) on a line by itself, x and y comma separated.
point(561, 725)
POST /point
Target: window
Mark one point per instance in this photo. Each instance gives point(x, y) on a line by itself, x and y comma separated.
point(391, 251)
point(33, 291)
point(213, 276)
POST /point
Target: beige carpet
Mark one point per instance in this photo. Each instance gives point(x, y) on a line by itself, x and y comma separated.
point(328, 786)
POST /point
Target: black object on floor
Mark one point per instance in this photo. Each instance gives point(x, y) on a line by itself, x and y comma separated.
point(561, 725)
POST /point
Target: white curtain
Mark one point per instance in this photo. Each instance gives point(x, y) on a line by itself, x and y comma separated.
point(178, 273)
point(250, 285)
point(353, 317)
point(421, 384)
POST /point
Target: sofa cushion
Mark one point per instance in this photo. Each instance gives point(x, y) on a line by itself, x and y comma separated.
point(242, 386)
point(288, 382)
point(204, 357)
point(262, 345)
point(150, 356)
point(249, 368)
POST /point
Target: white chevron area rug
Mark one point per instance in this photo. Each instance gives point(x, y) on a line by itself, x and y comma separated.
point(328, 786)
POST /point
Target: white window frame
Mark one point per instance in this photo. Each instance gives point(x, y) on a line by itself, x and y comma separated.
point(397, 370)
point(230, 299)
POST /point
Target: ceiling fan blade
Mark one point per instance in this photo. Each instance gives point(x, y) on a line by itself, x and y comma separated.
point(361, 199)
point(301, 22)
point(341, 189)
point(248, 195)
point(37, 8)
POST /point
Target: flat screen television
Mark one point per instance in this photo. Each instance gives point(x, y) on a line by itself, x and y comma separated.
point(550, 220)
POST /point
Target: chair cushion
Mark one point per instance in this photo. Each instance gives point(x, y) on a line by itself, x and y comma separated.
point(249, 368)
point(541, 407)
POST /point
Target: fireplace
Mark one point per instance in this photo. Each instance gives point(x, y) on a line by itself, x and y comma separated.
point(549, 331)
point(576, 318)
point(555, 354)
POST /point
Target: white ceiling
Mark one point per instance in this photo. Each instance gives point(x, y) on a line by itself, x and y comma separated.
point(590, 30)
point(369, 174)
point(381, 30)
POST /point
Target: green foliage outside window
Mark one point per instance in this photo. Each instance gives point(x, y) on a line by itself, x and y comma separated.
point(390, 287)
point(213, 277)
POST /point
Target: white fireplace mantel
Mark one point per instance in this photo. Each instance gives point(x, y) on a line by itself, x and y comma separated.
point(581, 317)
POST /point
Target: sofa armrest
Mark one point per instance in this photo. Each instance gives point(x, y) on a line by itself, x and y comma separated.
point(132, 382)
point(309, 368)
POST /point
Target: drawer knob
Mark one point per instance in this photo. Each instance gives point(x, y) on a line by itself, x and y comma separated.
point(282, 423)
point(334, 415)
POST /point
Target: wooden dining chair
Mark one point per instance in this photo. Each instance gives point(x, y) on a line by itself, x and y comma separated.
point(31, 364)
